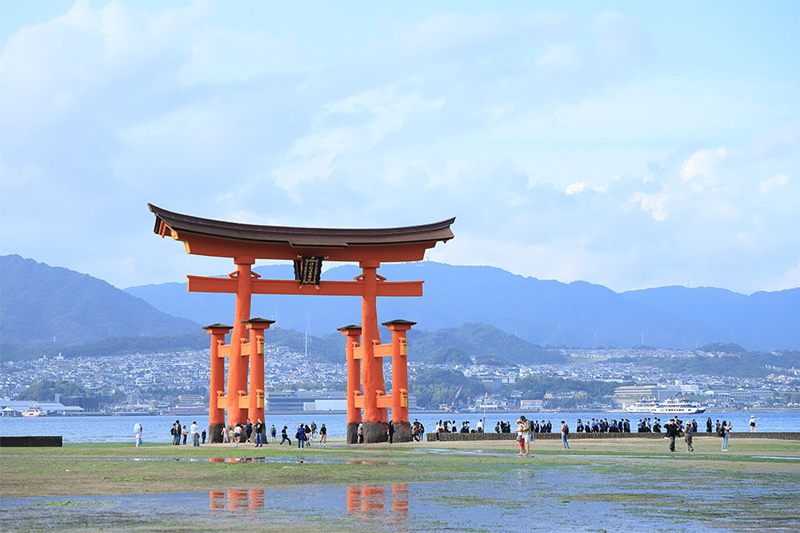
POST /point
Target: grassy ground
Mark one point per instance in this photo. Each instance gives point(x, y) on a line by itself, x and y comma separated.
point(630, 485)
point(97, 469)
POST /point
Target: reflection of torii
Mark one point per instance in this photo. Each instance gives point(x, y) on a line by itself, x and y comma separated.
point(306, 248)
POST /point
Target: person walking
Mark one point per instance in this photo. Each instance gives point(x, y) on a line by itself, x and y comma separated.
point(688, 433)
point(671, 429)
point(237, 435)
point(565, 435)
point(752, 423)
point(225, 438)
point(195, 432)
point(273, 433)
point(285, 437)
point(301, 437)
point(137, 431)
point(323, 435)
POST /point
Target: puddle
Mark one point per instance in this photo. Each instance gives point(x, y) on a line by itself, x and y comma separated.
point(544, 498)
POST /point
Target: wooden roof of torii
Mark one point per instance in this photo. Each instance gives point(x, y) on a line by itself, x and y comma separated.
point(204, 236)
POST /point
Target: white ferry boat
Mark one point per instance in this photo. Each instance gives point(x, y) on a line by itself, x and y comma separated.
point(667, 407)
point(34, 411)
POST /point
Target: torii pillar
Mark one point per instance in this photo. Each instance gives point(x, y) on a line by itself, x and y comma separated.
point(255, 400)
point(353, 334)
point(402, 425)
point(216, 386)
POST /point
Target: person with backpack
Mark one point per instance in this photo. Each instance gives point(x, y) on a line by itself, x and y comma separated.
point(565, 434)
point(724, 432)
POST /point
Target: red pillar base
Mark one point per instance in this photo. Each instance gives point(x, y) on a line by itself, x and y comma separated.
point(352, 432)
point(402, 432)
point(215, 433)
point(376, 432)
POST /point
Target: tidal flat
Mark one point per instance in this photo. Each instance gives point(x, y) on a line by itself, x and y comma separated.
point(636, 485)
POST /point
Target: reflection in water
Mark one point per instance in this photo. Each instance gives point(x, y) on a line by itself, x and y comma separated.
point(236, 500)
point(368, 501)
point(363, 501)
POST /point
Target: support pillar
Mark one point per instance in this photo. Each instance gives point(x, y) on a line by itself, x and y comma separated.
point(376, 419)
point(216, 386)
point(402, 426)
point(255, 406)
point(353, 334)
point(237, 367)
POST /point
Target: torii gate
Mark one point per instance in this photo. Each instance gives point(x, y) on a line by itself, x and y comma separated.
point(307, 248)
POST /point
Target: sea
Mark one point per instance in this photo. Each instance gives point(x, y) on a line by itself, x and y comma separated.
point(79, 429)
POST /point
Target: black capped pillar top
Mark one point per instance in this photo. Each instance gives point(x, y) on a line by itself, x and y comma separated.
point(257, 320)
point(218, 326)
point(398, 322)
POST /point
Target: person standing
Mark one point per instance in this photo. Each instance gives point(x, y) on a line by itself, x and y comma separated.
point(687, 436)
point(752, 423)
point(184, 434)
point(323, 435)
point(565, 435)
point(176, 433)
point(137, 430)
point(248, 430)
point(391, 431)
point(273, 433)
point(726, 431)
point(237, 435)
point(195, 431)
point(259, 429)
point(709, 425)
point(301, 437)
point(203, 436)
point(225, 438)
point(313, 430)
point(360, 433)
point(520, 437)
point(527, 435)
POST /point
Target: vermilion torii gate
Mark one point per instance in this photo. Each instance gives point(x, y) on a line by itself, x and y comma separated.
point(307, 248)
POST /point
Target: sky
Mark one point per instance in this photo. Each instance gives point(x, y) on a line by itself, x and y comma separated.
point(629, 144)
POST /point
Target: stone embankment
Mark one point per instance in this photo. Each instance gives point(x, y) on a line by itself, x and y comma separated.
point(466, 437)
point(31, 442)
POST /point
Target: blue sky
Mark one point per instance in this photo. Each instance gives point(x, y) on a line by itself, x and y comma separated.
point(631, 144)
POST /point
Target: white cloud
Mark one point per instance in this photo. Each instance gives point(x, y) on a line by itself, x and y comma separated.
point(559, 55)
point(655, 204)
point(772, 184)
point(575, 188)
point(700, 170)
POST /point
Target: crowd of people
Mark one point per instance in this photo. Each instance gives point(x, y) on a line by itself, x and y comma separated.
point(307, 434)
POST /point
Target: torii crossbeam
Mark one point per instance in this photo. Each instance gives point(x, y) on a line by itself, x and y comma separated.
point(307, 248)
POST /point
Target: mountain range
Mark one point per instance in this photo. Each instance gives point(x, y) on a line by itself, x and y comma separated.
point(43, 306)
point(545, 312)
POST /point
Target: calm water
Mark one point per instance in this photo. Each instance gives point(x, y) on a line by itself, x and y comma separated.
point(156, 428)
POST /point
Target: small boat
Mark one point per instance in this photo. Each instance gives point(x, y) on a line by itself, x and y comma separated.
point(34, 411)
point(666, 407)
